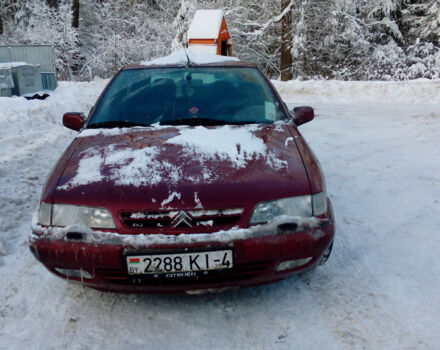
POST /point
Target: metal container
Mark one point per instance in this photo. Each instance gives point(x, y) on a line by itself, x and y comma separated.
point(5, 92)
point(6, 81)
point(42, 55)
point(49, 81)
point(27, 79)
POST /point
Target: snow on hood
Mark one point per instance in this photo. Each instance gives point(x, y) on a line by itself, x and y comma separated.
point(179, 58)
point(150, 157)
point(237, 145)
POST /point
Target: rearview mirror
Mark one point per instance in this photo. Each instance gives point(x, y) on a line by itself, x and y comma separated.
point(303, 115)
point(73, 120)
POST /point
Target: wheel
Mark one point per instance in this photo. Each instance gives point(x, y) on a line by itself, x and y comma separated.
point(326, 255)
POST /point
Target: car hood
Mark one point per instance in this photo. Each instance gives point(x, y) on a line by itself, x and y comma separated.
point(182, 167)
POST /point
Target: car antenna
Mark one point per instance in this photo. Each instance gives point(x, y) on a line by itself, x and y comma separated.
point(187, 57)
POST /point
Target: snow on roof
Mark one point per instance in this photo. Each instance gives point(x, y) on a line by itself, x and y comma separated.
point(179, 58)
point(205, 24)
point(7, 65)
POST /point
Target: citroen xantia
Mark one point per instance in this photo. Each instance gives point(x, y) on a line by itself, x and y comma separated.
point(188, 174)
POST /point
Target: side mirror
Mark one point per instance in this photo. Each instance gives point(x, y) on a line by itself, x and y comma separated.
point(303, 115)
point(73, 120)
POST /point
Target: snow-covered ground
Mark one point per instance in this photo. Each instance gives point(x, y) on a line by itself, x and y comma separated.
point(379, 145)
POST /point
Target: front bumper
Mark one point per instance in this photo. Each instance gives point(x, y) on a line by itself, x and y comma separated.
point(257, 253)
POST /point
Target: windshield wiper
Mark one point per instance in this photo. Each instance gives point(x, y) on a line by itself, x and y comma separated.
point(203, 121)
point(115, 124)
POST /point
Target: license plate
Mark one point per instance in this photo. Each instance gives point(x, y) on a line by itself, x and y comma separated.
point(182, 262)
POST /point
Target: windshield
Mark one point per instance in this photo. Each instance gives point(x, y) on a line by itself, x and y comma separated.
point(204, 95)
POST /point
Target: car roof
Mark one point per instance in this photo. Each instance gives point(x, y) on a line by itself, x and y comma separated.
point(192, 64)
point(189, 58)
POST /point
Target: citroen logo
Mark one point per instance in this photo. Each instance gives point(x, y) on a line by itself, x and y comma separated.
point(182, 218)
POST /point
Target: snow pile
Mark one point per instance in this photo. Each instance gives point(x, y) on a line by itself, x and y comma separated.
point(180, 58)
point(40, 122)
point(3, 251)
point(415, 91)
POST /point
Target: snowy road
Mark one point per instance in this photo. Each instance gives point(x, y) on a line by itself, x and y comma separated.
point(379, 290)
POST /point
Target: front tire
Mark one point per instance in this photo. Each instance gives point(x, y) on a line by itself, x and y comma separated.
point(326, 255)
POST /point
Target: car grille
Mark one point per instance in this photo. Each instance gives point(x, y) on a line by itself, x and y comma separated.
point(191, 220)
point(238, 273)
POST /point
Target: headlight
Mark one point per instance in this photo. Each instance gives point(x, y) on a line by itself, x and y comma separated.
point(294, 206)
point(319, 202)
point(45, 214)
point(302, 206)
point(67, 215)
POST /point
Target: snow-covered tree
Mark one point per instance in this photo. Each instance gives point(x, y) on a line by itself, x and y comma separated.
point(431, 31)
point(342, 39)
point(115, 33)
point(181, 23)
point(298, 47)
point(255, 27)
point(35, 22)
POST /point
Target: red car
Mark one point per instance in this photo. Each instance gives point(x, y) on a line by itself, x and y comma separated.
point(185, 177)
